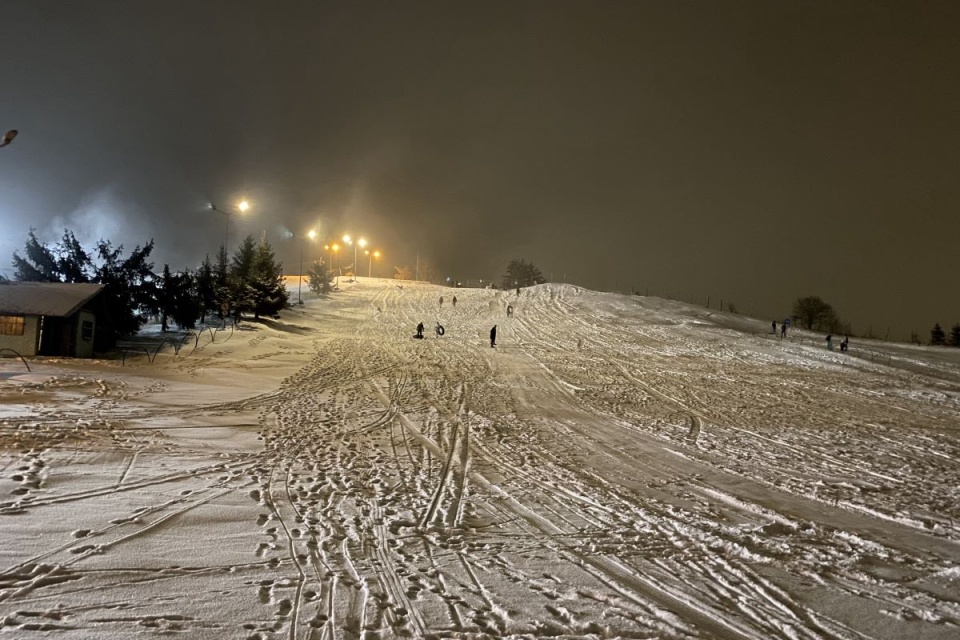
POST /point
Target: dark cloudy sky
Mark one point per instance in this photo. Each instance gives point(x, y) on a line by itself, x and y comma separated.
point(752, 151)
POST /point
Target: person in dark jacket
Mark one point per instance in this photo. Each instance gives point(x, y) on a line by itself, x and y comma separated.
point(420, 330)
point(493, 336)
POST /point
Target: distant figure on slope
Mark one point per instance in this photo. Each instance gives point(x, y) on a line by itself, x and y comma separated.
point(441, 301)
point(420, 330)
point(774, 324)
point(783, 330)
point(454, 302)
point(509, 310)
point(830, 342)
point(845, 344)
point(493, 336)
point(440, 330)
point(518, 292)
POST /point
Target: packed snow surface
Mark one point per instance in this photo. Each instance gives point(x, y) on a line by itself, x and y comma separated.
point(615, 467)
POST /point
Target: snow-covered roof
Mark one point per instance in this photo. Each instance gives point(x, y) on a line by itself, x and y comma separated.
point(60, 299)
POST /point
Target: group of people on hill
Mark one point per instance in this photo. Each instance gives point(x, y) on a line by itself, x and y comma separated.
point(844, 344)
point(441, 331)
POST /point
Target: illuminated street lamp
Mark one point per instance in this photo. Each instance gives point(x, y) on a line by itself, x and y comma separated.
point(242, 206)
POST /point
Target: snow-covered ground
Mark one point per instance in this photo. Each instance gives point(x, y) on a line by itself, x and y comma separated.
point(616, 467)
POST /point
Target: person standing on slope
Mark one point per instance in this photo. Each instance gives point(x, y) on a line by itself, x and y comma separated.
point(454, 302)
point(420, 330)
point(441, 301)
point(493, 336)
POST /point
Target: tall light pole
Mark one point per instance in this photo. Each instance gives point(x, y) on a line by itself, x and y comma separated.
point(356, 267)
point(348, 240)
point(374, 254)
point(310, 234)
point(336, 249)
point(243, 205)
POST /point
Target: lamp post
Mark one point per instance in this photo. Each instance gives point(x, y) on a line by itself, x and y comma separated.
point(348, 240)
point(356, 267)
point(336, 249)
point(372, 255)
point(310, 234)
point(243, 205)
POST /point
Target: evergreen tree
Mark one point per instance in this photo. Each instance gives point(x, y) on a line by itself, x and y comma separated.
point(936, 335)
point(206, 289)
point(241, 297)
point(265, 282)
point(129, 289)
point(319, 278)
point(73, 262)
point(165, 295)
point(221, 284)
point(186, 306)
point(39, 265)
point(521, 274)
point(955, 335)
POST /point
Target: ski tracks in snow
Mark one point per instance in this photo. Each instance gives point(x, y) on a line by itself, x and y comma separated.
point(590, 477)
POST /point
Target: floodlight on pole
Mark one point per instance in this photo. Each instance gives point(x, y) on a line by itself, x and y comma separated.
point(242, 206)
point(372, 255)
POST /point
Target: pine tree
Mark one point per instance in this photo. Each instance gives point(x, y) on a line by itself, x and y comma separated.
point(241, 297)
point(40, 263)
point(319, 278)
point(129, 288)
point(186, 305)
point(206, 289)
point(165, 296)
point(269, 293)
point(221, 284)
point(936, 335)
point(955, 335)
point(73, 262)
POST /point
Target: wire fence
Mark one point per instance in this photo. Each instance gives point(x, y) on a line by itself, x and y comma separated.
point(153, 348)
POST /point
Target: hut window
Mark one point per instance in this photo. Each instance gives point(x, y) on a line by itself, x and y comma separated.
point(11, 325)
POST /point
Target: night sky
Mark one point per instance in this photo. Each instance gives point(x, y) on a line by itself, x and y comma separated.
point(750, 151)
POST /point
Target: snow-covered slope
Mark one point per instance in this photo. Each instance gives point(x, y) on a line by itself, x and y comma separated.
point(615, 467)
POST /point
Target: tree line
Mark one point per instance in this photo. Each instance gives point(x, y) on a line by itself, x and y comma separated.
point(248, 282)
